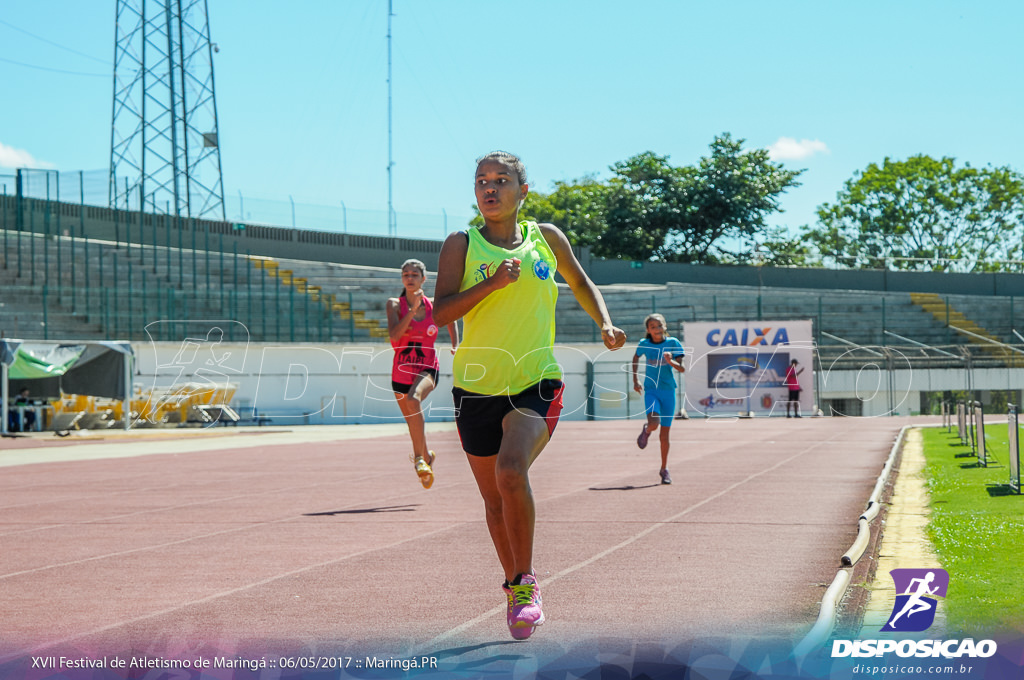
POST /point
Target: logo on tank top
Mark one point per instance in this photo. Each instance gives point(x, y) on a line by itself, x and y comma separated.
point(542, 269)
point(412, 353)
point(431, 331)
point(483, 272)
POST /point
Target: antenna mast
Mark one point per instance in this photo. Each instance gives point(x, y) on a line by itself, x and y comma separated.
point(164, 141)
point(392, 222)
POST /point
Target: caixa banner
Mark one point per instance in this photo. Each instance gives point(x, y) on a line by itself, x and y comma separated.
point(740, 367)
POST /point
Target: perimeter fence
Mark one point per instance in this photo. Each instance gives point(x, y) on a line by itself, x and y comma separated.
point(92, 189)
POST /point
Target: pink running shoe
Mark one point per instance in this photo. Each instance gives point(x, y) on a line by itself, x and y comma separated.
point(524, 612)
point(666, 478)
point(641, 441)
point(517, 633)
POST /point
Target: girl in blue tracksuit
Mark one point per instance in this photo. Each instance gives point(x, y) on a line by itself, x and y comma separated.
point(663, 356)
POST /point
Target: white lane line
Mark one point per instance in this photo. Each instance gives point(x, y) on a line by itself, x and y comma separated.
point(210, 598)
point(245, 527)
point(134, 444)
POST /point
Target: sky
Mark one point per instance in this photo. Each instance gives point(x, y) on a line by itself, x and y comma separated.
point(571, 87)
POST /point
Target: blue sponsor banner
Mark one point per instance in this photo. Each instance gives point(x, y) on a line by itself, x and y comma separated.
point(739, 367)
point(747, 370)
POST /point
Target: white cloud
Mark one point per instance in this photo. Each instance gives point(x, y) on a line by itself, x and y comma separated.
point(18, 158)
point(789, 149)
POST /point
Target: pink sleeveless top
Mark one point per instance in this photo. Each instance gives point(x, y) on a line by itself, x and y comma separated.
point(414, 352)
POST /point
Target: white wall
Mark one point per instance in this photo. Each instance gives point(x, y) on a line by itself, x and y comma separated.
point(345, 384)
point(870, 385)
point(324, 383)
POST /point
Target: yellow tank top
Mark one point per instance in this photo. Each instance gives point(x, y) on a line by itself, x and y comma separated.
point(508, 338)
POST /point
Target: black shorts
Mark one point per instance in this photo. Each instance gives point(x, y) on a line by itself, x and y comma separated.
point(402, 388)
point(479, 416)
point(794, 395)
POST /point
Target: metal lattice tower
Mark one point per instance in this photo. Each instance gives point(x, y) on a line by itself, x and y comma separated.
point(164, 146)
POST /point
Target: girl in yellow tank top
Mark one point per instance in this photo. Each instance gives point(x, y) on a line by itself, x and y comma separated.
point(500, 280)
point(510, 334)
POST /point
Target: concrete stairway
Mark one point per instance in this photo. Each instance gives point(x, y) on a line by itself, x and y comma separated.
point(967, 329)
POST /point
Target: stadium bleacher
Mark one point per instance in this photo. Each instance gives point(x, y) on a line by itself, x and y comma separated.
point(93, 289)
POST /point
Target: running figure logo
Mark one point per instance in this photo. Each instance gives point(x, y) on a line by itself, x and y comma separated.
point(914, 610)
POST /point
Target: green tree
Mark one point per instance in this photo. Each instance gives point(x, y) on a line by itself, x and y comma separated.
point(724, 200)
point(573, 206)
point(923, 214)
point(635, 211)
point(578, 208)
point(651, 210)
point(779, 249)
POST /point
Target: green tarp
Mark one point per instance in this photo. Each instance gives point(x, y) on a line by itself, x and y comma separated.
point(96, 369)
point(43, 362)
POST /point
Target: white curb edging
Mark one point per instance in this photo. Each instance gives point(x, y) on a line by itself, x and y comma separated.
point(822, 628)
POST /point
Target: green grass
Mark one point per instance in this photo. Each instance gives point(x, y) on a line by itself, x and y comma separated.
point(977, 528)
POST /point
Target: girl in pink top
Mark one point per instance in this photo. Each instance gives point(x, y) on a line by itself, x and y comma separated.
point(412, 332)
point(793, 383)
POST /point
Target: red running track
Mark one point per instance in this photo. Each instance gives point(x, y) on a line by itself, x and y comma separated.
point(291, 546)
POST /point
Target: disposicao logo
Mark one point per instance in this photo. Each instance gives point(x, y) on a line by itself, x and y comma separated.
point(917, 591)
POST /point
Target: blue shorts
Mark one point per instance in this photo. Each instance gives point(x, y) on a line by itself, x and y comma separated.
point(661, 403)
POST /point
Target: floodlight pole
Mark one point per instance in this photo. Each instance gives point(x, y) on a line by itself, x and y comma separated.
point(392, 226)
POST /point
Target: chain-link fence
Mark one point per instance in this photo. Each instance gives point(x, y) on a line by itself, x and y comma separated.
point(93, 188)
